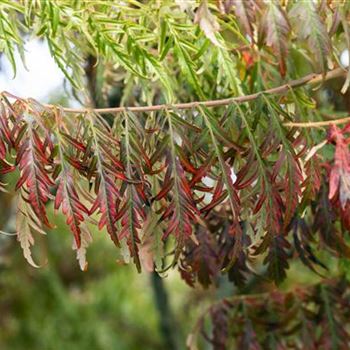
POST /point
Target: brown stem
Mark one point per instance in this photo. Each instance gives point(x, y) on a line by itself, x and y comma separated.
point(166, 320)
point(306, 80)
point(318, 124)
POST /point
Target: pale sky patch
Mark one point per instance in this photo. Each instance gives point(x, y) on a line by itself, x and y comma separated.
point(344, 58)
point(42, 79)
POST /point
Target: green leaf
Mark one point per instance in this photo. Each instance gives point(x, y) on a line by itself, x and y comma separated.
point(308, 25)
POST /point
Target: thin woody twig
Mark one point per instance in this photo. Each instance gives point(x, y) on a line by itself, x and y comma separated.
point(306, 80)
point(318, 124)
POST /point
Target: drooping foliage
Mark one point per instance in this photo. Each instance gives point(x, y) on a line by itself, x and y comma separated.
point(304, 318)
point(217, 161)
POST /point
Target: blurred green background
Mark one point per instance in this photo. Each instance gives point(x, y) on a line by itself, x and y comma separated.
point(110, 306)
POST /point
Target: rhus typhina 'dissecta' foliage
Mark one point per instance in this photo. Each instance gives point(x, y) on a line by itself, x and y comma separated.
point(220, 202)
point(215, 160)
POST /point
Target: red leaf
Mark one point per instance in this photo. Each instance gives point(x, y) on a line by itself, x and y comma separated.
point(339, 179)
point(107, 195)
point(33, 159)
point(67, 198)
point(181, 211)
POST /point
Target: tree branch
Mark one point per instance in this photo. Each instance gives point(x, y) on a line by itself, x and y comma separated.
point(167, 324)
point(309, 79)
point(320, 124)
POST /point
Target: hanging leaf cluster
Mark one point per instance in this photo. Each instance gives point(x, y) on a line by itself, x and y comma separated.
point(219, 200)
point(219, 186)
point(314, 318)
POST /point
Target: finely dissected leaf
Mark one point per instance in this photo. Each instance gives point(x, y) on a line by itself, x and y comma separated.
point(200, 262)
point(208, 23)
point(324, 223)
point(339, 179)
point(10, 38)
point(226, 174)
point(187, 64)
point(312, 182)
point(154, 67)
point(152, 248)
point(67, 197)
point(246, 12)
point(291, 184)
point(309, 25)
point(303, 238)
point(233, 243)
point(32, 160)
point(277, 257)
point(108, 170)
point(26, 222)
point(269, 198)
point(228, 72)
point(227, 177)
point(180, 211)
point(85, 240)
point(293, 178)
point(276, 29)
point(339, 186)
point(312, 315)
point(132, 209)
